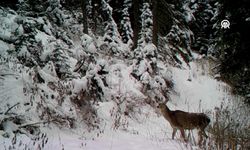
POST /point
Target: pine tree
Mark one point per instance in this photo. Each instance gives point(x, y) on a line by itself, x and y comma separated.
point(171, 34)
point(200, 17)
point(84, 4)
point(146, 25)
point(111, 35)
point(136, 21)
point(95, 16)
point(9, 3)
point(125, 25)
point(145, 35)
point(162, 19)
point(61, 62)
point(232, 45)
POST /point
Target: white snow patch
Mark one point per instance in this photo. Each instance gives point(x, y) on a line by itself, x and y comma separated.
point(79, 84)
point(3, 47)
point(197, 90)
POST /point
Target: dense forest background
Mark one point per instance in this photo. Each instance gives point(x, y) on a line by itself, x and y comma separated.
point(183, 25)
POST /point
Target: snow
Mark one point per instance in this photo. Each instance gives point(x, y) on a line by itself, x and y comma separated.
point(7, 25)
point(49, 68)
point(147, 130)
point(88, 44)
point(124, 142)
point(42, 37)
point(188, 13)
point(12, 93)
point(3, 47)
point(122, 82)
point(149, 49)
point(121, 141)
point(151, 136)
point(24, 52)
point(47, 76)
point(195, 88)
point(143, 128)
point(79, 84)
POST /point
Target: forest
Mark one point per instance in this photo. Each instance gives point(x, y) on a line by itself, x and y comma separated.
point(98, 68)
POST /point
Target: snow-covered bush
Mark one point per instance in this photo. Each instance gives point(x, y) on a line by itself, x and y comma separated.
point(230, 128)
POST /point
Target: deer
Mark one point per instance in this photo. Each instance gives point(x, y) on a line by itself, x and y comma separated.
point(185, 121)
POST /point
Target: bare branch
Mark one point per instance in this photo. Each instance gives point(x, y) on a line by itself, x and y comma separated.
point(11, 108)
point(35, 123)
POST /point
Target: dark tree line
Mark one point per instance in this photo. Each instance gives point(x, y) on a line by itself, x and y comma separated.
point(92, 10)
point(235, 45)
point(230, 46)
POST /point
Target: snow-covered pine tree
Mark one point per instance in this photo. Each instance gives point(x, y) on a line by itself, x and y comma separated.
point(27, 49)
point(199, 15)
point(232, 46)
point(146, 70)
point(60, 58)
point(32, 8)
point(111, 36)
point(125, 25)
point(175, 37)
point(145, 35)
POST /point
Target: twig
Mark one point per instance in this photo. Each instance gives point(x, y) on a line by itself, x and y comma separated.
point(11, 108)
point(35, 123)
point(7, 74)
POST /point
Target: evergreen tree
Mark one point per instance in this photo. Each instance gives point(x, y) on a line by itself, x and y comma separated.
point(146, 25)
point(9, 3)
point(125, 25)
point(111, 35)
point(232, 45)
point(136, 21)
point(145, 35)
point(163, 19)
point(95, 16)
point(84, 4)
point(200, 18)
point(171, 33)
point(33, 8)
point(61, 62)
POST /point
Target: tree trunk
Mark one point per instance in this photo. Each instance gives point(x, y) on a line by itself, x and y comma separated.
point(155, 23)
point(85, 16)
point(136, 27)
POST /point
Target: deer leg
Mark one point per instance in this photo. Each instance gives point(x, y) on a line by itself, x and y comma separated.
point(183, 134)
point(174, 132)
point(204, 133)
point(200, 137)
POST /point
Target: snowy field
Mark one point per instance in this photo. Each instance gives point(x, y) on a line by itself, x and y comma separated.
point(195, 91)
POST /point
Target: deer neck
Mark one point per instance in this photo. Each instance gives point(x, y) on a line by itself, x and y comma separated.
point(166, 113)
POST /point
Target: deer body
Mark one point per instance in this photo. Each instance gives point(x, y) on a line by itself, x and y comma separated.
point(185, 121)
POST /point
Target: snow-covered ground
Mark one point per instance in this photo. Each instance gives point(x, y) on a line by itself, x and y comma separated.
point(194, 90)
point(117, 141)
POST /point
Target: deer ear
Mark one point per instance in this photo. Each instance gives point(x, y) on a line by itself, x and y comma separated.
point(160, 105)
point(166, 100)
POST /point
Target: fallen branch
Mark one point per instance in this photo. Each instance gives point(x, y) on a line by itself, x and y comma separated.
point(35, 123)
point(11, 108)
